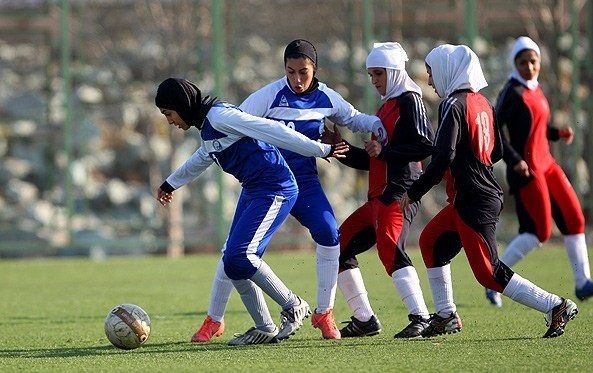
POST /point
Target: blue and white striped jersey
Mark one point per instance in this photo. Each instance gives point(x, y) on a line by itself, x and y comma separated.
point(240, 144)
point(306, 114)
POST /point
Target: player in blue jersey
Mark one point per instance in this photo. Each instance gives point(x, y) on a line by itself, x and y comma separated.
point(301, 102)
point(240, 144)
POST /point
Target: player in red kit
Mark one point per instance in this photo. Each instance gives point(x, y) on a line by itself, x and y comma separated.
point(467, 144)
point(392, 167)
point(543, 194)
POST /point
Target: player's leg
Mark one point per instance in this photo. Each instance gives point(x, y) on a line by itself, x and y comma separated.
point(213, 325)
point(534, 212)
point(264, 331)
point(480, 247)
point(242, 260)
point(439, 244)
point(222, 286)
point(568, 215)
point(313, 211)
point(392, 231)
point(357, 235)
point(558, 311)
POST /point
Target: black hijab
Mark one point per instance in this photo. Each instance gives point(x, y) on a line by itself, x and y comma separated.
point(185, 98)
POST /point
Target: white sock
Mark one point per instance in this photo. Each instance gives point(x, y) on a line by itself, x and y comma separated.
point(255, 302)
point(352, 286)
point(222, 286)
point(576, 248)
point(520, 246)
point(441, 286)
point(271, 284)
point(528, 294)
point(327, 276)
point(407, 283)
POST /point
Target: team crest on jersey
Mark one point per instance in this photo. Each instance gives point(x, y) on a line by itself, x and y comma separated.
point(283, 101)
point(216, 145)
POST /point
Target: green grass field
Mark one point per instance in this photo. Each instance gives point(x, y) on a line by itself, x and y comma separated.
point(52, 313)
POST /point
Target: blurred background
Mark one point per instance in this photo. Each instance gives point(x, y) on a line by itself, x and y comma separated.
point(83, 147)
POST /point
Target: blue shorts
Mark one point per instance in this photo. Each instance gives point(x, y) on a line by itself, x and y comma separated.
point(313, 211)
point(257, 217)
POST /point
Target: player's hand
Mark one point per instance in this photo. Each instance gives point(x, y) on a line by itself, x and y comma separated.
point(405, 202)
point(567, 134)
point(339, 150)
point(522, 168)
point(372, 147)
point(331, 136)
point(163, 197)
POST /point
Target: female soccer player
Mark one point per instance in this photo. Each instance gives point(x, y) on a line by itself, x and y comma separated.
point(542, 191)
point(240, 144)
point(392, 167)
point(468, 143)
point(301, 102)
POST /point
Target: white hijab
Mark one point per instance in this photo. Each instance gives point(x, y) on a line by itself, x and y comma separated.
point(392, 57)
point(521, 44)
point(455, 67)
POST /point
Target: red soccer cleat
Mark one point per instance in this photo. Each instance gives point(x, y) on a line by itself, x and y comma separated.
point(208, 330)
point(327, 324)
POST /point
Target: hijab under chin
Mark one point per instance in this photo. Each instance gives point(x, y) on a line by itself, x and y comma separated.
point(455, 67)
point(392, 57)
point(398, 83)
point(524, 43)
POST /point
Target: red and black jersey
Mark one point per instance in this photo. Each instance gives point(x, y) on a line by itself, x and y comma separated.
point(468, 143)
point(410, 137)
point(526, 114)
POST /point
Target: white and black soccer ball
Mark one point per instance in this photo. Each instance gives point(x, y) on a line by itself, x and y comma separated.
point(127, 326)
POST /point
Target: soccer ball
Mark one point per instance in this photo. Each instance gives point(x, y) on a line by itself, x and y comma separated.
point(127, 326)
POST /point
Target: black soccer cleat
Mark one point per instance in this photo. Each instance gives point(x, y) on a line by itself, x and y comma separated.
point(357, 328)
point(415, 328)
point(438, 325)
point(559, 316)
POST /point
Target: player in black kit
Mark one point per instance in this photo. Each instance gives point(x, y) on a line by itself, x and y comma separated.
point(467, 144)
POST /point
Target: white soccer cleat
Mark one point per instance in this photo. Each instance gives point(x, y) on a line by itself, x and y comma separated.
point(254, 336)
point(291, 319)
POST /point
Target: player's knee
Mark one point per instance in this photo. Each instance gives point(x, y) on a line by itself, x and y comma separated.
point(347, 263)
point(327, 237)
point(544, 236)
point(543, 232)
point(328, 252)
point(577, 224)
point(238, 266)
point(487, 280)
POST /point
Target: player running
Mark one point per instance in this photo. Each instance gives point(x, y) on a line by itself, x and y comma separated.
point(543, 194)
point(392, 167)
point(468, 143)
point(301, 102)
point(240, 144)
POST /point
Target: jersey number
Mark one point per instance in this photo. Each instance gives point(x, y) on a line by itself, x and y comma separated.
point(289, 124)
point(484, 139)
